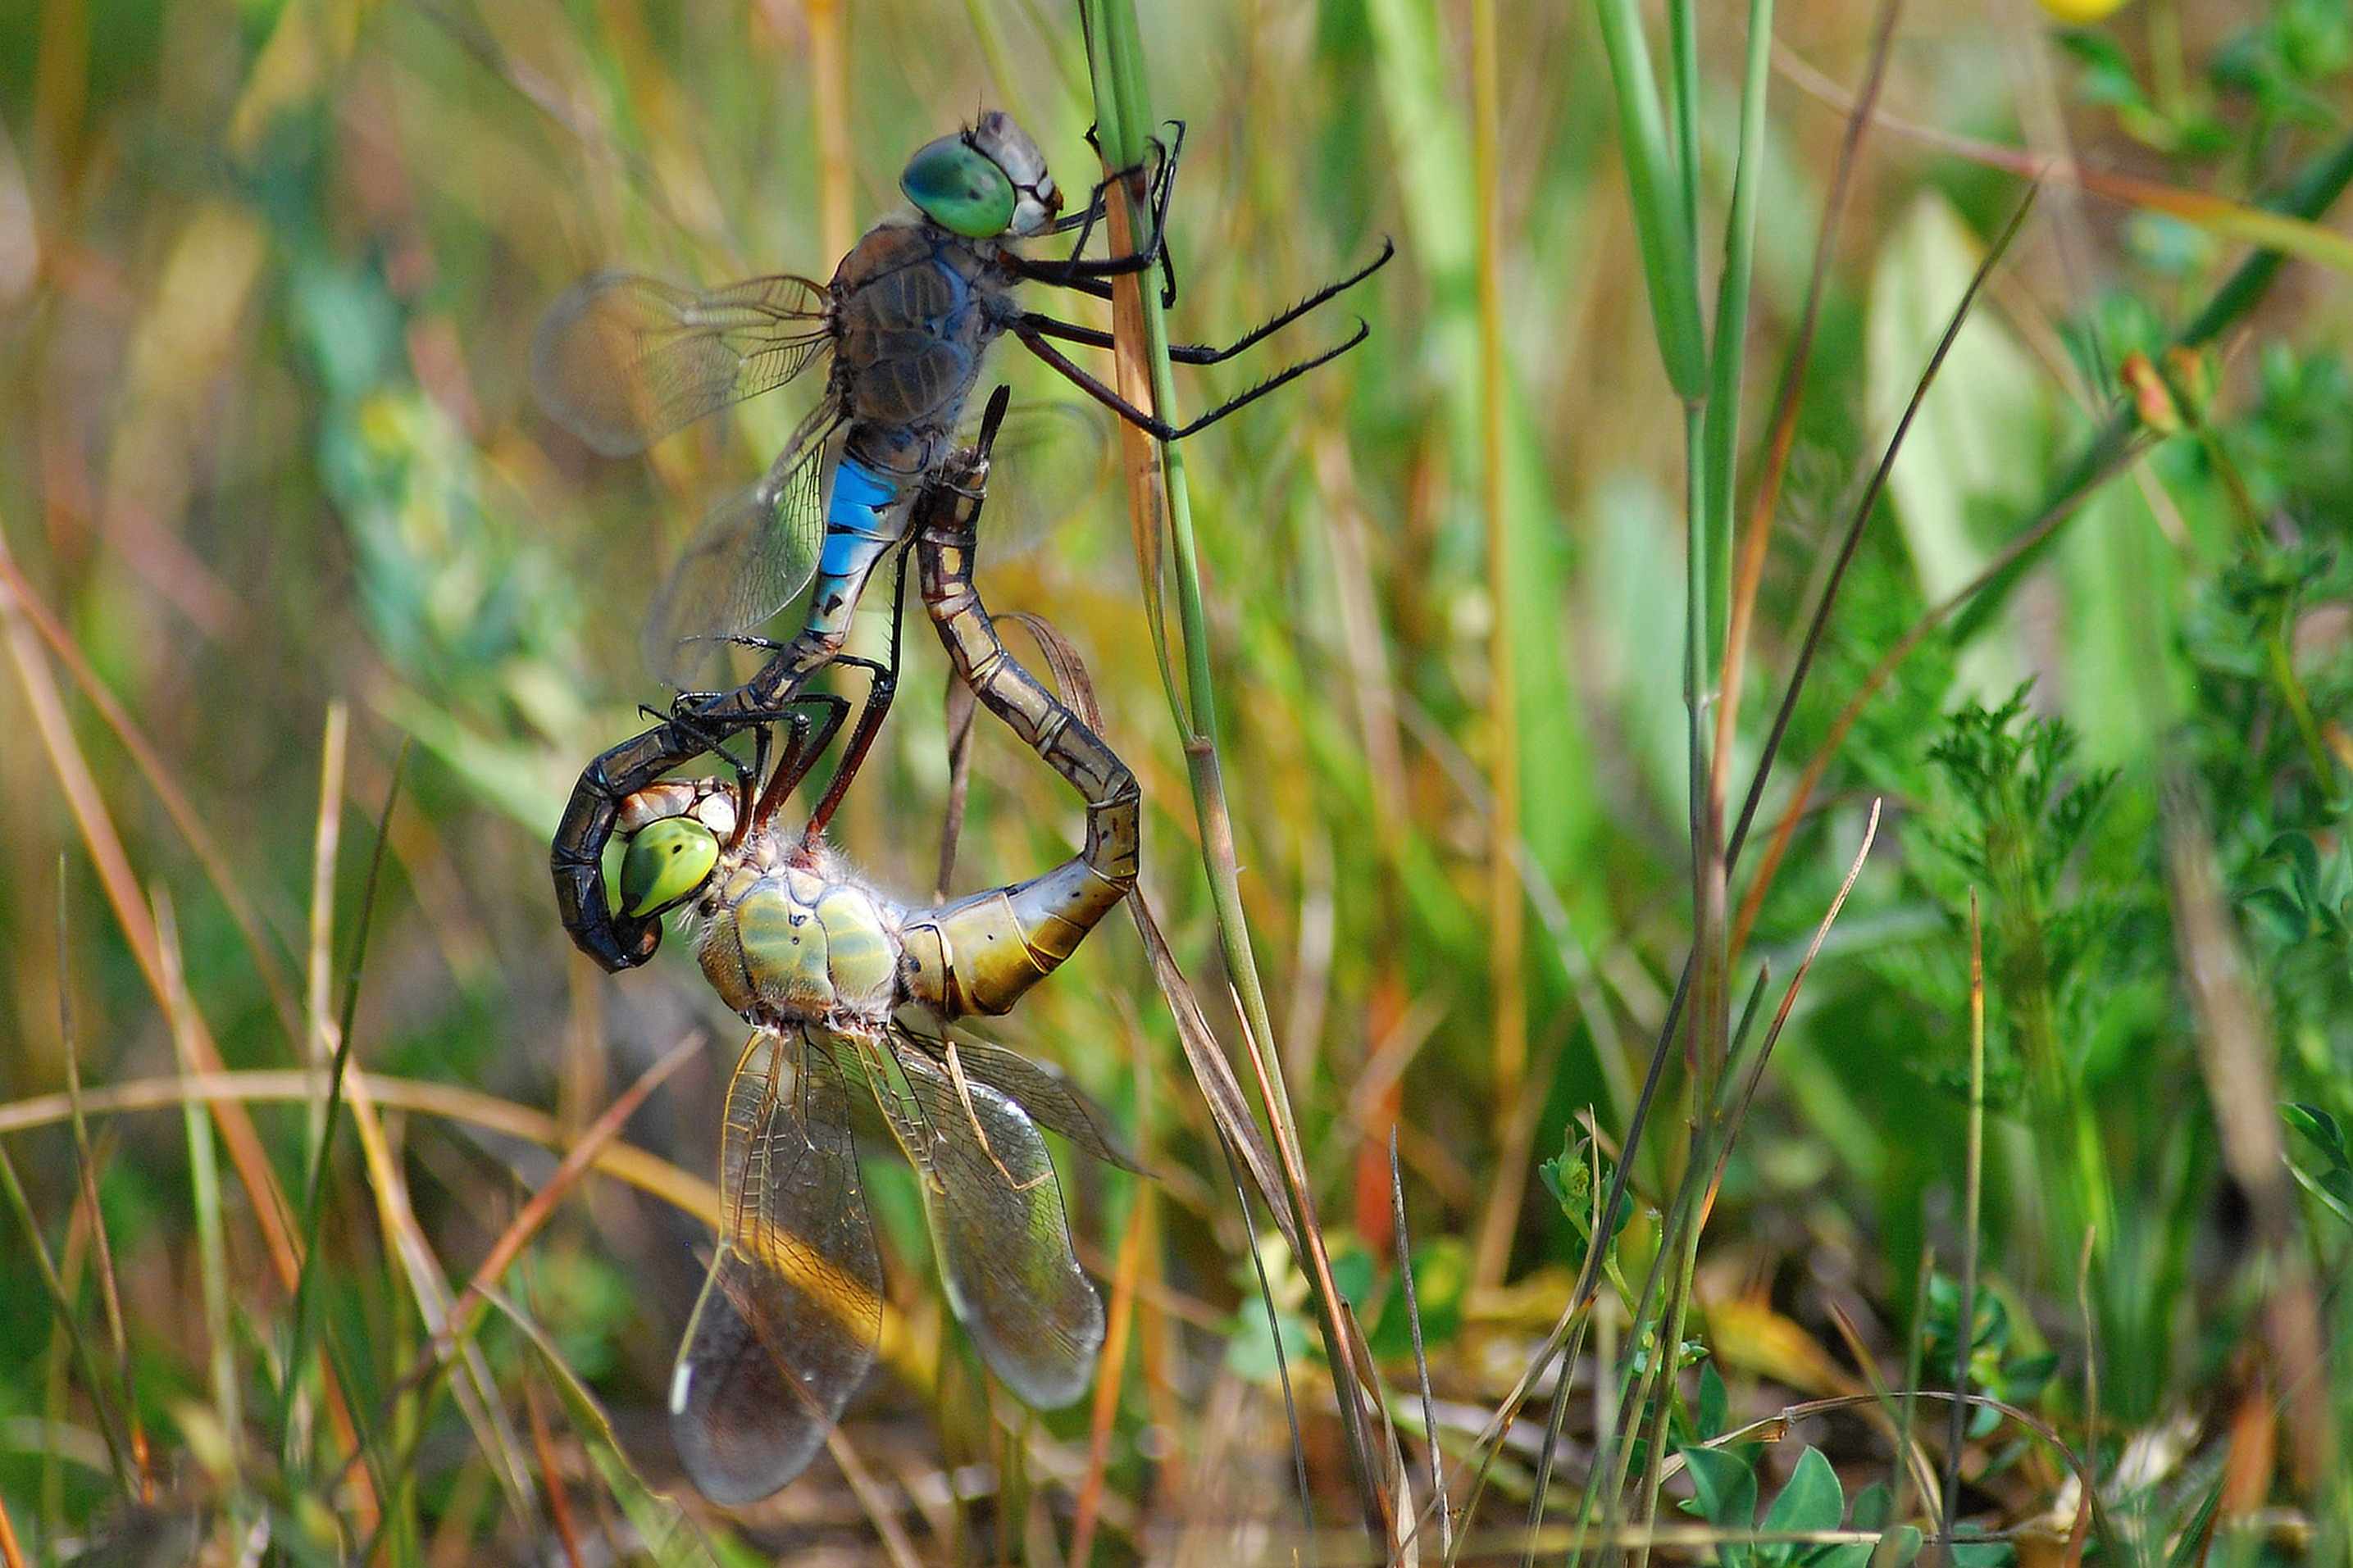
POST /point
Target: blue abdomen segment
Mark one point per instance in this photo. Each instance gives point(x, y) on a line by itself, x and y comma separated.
point(860, 525)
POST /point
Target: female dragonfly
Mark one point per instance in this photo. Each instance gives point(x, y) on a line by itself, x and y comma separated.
point(821, 966)
point(622, 359)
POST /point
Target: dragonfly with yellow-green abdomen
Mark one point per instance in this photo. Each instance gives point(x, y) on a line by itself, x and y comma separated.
point(827, 969)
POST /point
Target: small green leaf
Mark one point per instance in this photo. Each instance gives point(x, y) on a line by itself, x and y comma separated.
point(1873, 1505)
point(1900, 1546)
point(1712, 1402)
point(1724, 1483)
point(1981, 1553)
point(2320, 1127)
point(1812, 1501)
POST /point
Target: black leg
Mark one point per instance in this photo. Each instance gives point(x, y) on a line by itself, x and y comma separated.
point(1153, 424)
point(1073, 270)
point(1207, 353)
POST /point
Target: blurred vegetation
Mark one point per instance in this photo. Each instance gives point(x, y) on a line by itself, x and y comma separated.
point(274, 499)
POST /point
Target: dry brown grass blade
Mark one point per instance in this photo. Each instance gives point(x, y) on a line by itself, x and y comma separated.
point(12, 1556)
point(577, 1160)
point(1914, 1454)
point(174, 800)
point(872, 1501)
point(2237, 1054)
point(1111, 1376)
point(551, 1471)
point(80, 788)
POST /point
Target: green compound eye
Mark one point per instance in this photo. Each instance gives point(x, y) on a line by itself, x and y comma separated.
point(959, 188)
point(664, 864)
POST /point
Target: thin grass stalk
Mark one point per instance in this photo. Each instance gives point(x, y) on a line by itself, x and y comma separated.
point(1765, 504)
point(1274, 1337)
point(62, 1304)
point(1142, 370)
point(1972, 1188)
point(1507, 907)
point(318, 973)
point(78, 788)
point(1421, 1357)
point(473, 1302)
point(110, 1290)
point(203, 1191)
point(314, 1198)
point(1111, 1376)
point(1862, 515)
point(168, 793)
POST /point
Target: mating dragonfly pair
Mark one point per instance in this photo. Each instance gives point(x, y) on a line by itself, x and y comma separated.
point(822, 966)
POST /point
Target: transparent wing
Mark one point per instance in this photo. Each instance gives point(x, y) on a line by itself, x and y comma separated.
point(785, 1328)
point(622, 359)
point(1059, 455)
point(996, 1218)
point(751, 553)
point(1042, 1089)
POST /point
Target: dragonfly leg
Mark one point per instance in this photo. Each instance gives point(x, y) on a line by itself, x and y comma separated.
point(1084, 221)
point(885, 686)
point(1075, 270)
point(1036, 342)
point(798, 759)
point(1209, 354)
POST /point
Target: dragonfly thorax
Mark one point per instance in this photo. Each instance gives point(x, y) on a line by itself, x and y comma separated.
point(788, 935)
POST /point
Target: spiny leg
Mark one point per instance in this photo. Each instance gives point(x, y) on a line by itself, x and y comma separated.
point(1153, 424)
point(1209, 354)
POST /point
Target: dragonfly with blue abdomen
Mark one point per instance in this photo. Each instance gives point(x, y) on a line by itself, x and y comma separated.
point(828, 970)
point(623, 359)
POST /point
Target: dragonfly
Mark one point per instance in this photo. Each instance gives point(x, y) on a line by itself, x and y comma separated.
point(623, 359)
point(828, 970)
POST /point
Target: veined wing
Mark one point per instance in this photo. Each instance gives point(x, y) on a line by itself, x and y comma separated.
point(995, 1217)
point(1042, 1089)
point(1059, 456)
point(751, 553)
point(785, 1328)
point(622, 359)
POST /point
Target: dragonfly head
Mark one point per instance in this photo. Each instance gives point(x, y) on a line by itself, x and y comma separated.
point(985, 183)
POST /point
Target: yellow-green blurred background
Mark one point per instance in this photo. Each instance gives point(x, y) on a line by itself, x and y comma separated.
point(268, 463)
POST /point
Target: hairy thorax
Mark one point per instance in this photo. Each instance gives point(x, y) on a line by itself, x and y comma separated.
point(788, 936)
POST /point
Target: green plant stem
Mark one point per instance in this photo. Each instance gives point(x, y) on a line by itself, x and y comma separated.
point(1972, 1190)
point(1123, 120)
point(1731, 330)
